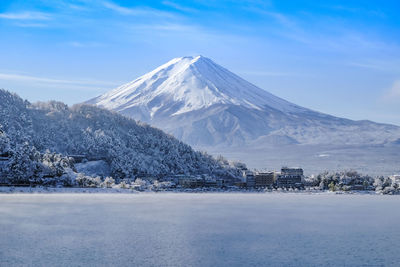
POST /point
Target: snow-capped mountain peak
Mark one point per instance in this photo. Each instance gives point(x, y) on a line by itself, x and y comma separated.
point(187, 84)
point(206, 105)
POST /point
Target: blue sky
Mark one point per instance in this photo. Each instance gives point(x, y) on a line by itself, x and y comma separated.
point(337, 57)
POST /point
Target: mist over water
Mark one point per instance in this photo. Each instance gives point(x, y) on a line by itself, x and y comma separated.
point(225, 229)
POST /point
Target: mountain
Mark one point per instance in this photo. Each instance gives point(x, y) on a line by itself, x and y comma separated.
point(30, 134)
point(209, 107)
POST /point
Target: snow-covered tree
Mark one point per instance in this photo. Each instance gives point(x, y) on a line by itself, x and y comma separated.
point(4, 143)
point(50, 132)
point(23, 164)
point(87, 181)
point(108, 182)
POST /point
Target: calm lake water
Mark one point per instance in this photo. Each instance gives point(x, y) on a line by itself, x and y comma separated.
point(199, 230)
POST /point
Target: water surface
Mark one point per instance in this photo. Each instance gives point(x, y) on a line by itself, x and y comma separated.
point(199, 230)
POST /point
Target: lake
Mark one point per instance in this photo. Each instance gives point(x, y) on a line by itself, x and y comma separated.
point(207, 229)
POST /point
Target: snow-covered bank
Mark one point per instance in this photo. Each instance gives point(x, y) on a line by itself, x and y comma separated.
point(67, 190)
point(78, 190)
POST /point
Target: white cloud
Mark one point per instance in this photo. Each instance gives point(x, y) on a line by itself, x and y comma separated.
point(365, 65)
point(389, 66)
point(281, 18)
point(267, 73)
point(43, 80)
point(370, 12)
point(178, 7)
point(118, 8)
point(85, 44)
point(172, 27)
point(31, 25)
point(27, 15)
point(135, 11)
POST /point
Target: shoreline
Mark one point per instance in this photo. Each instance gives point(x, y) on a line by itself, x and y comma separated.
point(6, 190)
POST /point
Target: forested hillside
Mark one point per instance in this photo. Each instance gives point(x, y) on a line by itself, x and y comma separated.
point(37, 141)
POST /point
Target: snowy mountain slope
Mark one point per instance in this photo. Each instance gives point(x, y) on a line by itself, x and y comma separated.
point(31, 132)
point(187, 84)
point(206, 105)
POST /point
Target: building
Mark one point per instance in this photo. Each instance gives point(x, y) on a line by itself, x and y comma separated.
point(191, 182)
point(178, 179)
point(240, 184)
point(290, 177)
point(292, 171)
point(250, 179)
point(244, 174)
point(210, 182)
point(264, 179)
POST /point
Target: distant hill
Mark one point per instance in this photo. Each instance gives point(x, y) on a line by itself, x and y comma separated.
point(30, 131)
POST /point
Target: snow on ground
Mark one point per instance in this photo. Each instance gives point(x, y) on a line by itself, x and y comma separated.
point(115, 189)
point(67, 190)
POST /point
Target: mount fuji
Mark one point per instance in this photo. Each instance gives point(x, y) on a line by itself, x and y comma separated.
point(211, 108)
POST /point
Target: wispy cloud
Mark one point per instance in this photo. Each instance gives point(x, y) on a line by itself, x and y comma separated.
point(147, 11)
point(389, 66)
point(44, 80)
point(199, 36)
point(172, 27)
point(119, 9)
point(77, 7)
point(377, 13)
point(31, 25)
point(364, 65)
point(280, 18)
point(85, 44)
point(267, 73)
point(178, 7)
point(27, 15)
